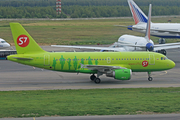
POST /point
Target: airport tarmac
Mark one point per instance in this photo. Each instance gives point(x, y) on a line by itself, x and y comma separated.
point(14, 76)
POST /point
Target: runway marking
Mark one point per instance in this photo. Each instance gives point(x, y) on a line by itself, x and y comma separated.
point(165, 72)
point(34, 118)
point(161, 74)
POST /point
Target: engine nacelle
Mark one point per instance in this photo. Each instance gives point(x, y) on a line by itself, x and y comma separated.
point(120, 74)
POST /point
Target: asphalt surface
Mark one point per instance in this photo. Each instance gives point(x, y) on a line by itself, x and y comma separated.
point(109, 117)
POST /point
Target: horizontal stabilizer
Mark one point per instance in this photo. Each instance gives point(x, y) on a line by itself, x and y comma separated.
point(20, 58)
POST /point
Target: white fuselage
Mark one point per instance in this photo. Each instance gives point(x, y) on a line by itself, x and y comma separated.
point(3, 44)
point(132, 40)
point(160, 29)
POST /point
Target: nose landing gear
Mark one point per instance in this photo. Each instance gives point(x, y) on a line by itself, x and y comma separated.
point(149, 76)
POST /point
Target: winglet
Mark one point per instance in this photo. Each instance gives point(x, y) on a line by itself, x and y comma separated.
point(148, 27)
point(137, 13)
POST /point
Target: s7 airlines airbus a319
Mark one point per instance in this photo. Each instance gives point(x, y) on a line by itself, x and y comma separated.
point(119, 65)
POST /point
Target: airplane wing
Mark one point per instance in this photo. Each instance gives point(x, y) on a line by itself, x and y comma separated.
point(102, 68)
point(166, 46)
point(93, 48)
point(158, 30)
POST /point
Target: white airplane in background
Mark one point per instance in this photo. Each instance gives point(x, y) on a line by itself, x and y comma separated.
point(3, 44)
point(162, 30)
point(133, 43)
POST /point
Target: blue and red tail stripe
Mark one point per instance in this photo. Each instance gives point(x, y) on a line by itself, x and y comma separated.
point(137, 15)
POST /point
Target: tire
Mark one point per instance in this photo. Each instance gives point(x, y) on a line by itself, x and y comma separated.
point(92, 77)
point(150, 78)
point(97, 80)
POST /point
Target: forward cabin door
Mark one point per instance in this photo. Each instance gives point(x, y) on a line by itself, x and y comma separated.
point(151, 59)
point(46, 60)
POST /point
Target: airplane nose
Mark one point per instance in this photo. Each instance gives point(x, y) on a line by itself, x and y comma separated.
point(173, 64)
point(7, 45)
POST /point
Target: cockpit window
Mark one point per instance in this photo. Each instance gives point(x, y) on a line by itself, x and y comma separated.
point(3, 41)
point(164, 58)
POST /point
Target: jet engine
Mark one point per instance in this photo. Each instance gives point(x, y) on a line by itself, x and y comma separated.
point(120, 74)
point(149, 46)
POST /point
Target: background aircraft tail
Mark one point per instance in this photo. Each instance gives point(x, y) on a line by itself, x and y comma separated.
point(137, 13)
point(148, 27)
point(149, 45)
point(24, 43)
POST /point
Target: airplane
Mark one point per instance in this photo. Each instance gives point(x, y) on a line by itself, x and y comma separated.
point(3, 44)
point(162, 30)
point(119, 65)
point(133, 43)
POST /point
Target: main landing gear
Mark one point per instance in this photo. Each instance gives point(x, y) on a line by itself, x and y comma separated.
point(149, 76)
point(97, 80)
point(162, 52)
point(162, 41)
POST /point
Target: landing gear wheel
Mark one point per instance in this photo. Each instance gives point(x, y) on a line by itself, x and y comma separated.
point(162, 41)
point(150, 78)
point(92, 77)
point(163, 52)
point(97, 80)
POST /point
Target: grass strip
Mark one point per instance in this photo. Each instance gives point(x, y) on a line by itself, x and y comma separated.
point(89, 102)
point(78, 32)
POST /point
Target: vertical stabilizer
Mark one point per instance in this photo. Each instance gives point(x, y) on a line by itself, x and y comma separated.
point(24, 43)
point(137, 13)
point(148, 27)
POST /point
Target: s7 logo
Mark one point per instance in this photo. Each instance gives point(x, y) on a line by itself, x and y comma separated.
point(145, 63)
point(23, 40)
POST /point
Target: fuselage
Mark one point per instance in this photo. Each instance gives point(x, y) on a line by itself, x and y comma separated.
point(141, 27)
point(3, 44)
point(72, 61)
point(133, 40)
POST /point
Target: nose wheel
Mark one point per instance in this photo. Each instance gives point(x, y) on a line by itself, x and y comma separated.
point(149, 76)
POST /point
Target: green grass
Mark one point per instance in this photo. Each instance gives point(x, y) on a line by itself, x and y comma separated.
point(78, 32)
point(89, 102)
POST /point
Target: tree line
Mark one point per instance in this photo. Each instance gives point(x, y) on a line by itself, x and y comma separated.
point(45, 3)
point(83, 8)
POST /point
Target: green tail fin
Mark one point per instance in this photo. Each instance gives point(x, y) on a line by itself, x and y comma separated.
point(24, 43)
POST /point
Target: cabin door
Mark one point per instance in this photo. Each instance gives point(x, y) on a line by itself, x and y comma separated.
point(46, 60)
point(151, 59)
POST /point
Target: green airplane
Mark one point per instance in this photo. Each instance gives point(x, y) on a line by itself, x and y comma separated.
point(119, 65)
